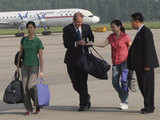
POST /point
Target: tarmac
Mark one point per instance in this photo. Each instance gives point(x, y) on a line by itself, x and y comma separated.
point(64, 100)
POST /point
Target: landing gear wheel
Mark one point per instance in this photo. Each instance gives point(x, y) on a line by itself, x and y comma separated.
point(46, 33)
point(21, 34)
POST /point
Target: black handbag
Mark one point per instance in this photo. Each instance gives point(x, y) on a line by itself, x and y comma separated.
point(21, 59)
point(93, 65)
point(16, 60)
point(14, 91)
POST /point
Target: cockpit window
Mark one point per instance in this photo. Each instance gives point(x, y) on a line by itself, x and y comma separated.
point(90, 16)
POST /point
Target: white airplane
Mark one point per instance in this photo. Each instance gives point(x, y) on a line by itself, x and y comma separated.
point(43, 18)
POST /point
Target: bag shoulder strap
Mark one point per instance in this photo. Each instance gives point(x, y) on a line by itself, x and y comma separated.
point(16, 75)
point(97, 53)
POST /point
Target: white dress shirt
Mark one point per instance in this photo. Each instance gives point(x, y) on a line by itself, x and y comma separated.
point(139, 29)
point(80, 30)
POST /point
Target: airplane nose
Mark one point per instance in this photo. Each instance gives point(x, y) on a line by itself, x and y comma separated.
point(95, 19)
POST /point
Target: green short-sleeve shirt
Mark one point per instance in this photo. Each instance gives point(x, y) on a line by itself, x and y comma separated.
point(31, 49)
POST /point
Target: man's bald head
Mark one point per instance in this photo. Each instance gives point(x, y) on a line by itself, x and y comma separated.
point(78, 19)
point(77, 15)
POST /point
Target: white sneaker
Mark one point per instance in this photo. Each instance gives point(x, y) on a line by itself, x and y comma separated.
point(124, 106)
point(121, 104)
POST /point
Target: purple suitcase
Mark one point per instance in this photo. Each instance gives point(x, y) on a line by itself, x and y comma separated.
point(43, 93)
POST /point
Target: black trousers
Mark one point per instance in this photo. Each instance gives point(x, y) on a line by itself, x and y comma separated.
point(31, 94)
point(146, 86)
point(79, 80)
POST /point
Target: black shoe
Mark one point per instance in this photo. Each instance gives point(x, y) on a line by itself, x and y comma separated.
point(86, 106)
point(143, 109)
point(37, 110)
point(147, 111)
point(89, 102)
point(83, 108)
point(89, 105)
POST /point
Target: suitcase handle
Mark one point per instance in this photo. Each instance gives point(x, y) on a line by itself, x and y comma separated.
point(41, 80)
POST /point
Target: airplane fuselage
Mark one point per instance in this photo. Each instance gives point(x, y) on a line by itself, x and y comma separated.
point(55, 17)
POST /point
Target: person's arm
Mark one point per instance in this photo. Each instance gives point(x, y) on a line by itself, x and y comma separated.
point(130, 43)
point(20, 52)
point(148, 50)
point(69, 40)
point(90, 35)
point(104, 44)
point(41, 62)
point(19, 56)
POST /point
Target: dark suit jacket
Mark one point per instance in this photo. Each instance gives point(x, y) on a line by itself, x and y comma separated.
point(69, 38)
point(142, 52)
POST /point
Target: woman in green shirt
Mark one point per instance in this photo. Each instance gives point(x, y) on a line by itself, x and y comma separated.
point(32, 68)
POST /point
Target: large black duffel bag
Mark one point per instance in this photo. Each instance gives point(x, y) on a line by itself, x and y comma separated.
point(93, 65)
point(14, 92)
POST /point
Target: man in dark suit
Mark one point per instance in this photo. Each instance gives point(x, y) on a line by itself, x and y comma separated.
point(75, 36)
point(143, 59)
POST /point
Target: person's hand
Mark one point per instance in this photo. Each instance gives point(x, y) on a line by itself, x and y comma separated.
point(18, 69)
point(147, 69)
point(81, 42)
point(89, 43)
point(41, 74)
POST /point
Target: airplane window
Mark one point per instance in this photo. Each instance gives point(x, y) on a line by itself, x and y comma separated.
point(90, 16)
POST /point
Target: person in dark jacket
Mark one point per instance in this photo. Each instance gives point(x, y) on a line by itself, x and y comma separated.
point(143, 59)
point(75, 36)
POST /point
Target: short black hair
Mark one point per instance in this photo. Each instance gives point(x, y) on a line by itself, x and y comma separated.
point(137, 16)
point(32, 23)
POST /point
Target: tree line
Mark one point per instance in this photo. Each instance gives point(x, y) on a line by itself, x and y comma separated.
point(106, 9)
